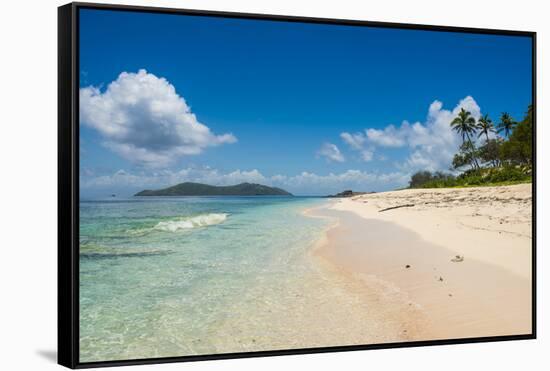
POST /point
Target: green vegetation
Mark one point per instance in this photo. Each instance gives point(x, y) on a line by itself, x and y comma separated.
point(505, 175)
point(198, 189)
point(497, 161)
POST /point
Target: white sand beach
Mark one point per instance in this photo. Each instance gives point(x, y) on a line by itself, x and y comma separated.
point(460, 257)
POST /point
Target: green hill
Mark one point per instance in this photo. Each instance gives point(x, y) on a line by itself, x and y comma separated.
point(198, 189)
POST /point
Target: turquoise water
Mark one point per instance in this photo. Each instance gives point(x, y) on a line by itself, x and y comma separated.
point(179, 276)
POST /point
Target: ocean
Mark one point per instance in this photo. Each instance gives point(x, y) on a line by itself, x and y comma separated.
point(176, 276)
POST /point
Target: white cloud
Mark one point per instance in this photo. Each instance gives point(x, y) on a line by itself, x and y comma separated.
point(431, 144)
point(143, 119)
point(367, 155)
point(357, 142)
point(388, 137)
point(163, 178)
point(356, 180)
point(331, 152)
point(303, 183)
point(434, 143)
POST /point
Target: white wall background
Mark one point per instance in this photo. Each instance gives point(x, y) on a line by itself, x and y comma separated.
point(28, 152)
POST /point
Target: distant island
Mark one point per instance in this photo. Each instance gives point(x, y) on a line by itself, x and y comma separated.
point(198, 189)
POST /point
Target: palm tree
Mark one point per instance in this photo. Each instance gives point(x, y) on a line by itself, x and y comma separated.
point(485, 126)
point(465, 125)
point(506, 124)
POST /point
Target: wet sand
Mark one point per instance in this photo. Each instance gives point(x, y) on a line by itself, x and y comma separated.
point(407, 257)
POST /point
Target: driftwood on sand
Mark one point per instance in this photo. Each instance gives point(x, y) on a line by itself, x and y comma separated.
point(396, 207)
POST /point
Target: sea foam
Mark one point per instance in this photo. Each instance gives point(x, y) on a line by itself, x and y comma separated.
point(198, 221)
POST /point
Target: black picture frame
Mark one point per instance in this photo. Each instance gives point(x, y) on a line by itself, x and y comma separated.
point(68, 183)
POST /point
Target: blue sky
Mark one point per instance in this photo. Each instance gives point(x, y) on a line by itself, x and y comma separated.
point(311, 108)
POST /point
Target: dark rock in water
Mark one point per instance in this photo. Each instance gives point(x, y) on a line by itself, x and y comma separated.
point(349, 193)
point(346, 193)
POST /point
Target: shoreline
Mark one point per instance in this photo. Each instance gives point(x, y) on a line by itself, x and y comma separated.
point(448, 257)
point(315, 305)
point(345, 283)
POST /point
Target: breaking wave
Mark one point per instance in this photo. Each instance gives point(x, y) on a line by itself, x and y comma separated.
point(198, 221)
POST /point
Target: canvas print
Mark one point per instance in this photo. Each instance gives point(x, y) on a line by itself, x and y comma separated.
point(257, 185)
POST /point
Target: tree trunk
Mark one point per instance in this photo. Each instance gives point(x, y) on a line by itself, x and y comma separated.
point(473, 154)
